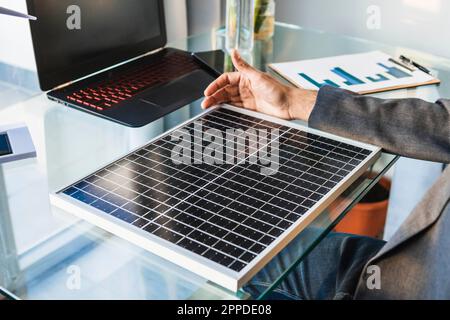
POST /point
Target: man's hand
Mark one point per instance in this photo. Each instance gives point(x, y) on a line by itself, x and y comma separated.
point(255, 90)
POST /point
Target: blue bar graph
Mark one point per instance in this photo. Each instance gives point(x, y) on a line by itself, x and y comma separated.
point(350, 80)
point(318, 84)
point(395, 72)
point(378, 78)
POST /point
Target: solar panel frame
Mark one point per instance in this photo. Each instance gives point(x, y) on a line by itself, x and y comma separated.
point(215, 272)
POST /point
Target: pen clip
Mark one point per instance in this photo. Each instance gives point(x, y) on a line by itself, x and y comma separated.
point(403, 64)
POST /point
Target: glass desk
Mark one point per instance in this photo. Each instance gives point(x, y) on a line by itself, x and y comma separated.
point(46, 253)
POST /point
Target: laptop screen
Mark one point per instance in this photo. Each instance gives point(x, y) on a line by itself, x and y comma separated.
point(75, 38)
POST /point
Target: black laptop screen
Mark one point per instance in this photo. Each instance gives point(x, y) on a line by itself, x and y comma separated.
point(74, 38)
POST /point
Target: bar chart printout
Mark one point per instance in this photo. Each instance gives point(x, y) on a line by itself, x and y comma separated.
point(362, 73)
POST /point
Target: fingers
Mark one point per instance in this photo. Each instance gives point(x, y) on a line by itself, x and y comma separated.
point(226, 87)
point(242, 66)
point(223, 81)
point(210, 102)
point(226, 94)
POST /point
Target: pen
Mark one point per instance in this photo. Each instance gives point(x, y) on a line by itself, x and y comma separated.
point(415, 64)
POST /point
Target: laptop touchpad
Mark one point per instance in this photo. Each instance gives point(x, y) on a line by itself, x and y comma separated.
point(180, 91)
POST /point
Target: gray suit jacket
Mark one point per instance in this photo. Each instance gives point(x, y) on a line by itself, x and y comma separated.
point(415, 262)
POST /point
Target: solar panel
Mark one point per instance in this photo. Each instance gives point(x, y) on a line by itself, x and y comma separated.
point(223, 221)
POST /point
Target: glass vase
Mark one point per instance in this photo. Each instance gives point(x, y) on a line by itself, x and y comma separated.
point(240, 25)
point(264, 19)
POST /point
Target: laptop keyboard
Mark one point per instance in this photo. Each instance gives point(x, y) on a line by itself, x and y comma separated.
point(108, 93)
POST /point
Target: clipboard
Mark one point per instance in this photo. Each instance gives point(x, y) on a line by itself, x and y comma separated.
point(363, 73)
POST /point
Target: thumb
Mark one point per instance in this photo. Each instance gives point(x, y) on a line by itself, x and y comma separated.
point(242, 66)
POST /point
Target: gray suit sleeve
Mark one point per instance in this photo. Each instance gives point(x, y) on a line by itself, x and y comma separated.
point(408, 127)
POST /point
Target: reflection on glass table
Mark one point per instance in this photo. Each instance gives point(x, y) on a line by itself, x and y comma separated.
point(46, 253)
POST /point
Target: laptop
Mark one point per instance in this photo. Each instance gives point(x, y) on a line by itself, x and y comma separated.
point(108, 58)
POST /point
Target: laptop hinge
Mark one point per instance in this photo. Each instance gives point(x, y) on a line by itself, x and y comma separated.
point(151, 52)
point(63, 85)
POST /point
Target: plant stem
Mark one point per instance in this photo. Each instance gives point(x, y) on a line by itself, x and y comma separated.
point(259, 15)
